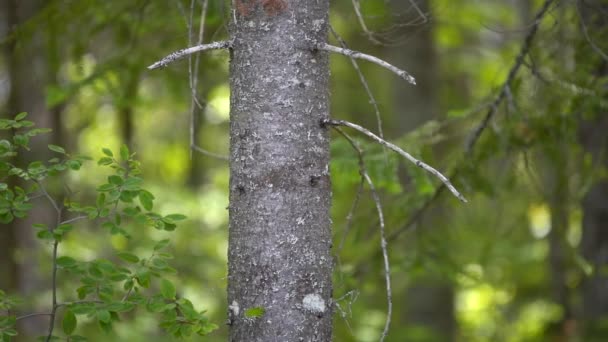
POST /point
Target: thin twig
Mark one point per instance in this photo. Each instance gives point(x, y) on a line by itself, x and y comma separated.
point(349, 216)
point(415, 217)
point(359, 55)
point(368, 33)
point(77, 218)
point(383, 244)
point(397, 149)
point(209, 154)
point(33, 315)
point(512, 73)
point(193, 73)
point(387, 269)
point(54, 292)
point(594, 46)
point(48, 197)
point(372, 99)
point(224, 44)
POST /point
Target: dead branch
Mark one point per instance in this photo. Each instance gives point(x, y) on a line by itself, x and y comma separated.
point(224, 44)
point(359, 55)
point(383, 243)
point(397, 149)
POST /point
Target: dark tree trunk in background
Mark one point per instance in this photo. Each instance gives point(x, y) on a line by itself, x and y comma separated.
point(126, 107)
point(280, 193)
point(32, 63)
point(556, 175)
point(594, 243)
point(429, 301)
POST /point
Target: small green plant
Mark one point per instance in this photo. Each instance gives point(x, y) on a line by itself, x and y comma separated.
point(107, 287)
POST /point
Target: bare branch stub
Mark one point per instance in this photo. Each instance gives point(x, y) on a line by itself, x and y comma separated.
point(224, 44)
point(360, 55)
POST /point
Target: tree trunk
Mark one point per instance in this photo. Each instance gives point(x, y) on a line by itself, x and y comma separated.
point(279, 261)
point(29, 73)
point(594, 242)
point(429, 299)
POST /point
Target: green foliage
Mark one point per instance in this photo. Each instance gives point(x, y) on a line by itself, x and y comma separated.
point(108, 287)
point(255, 312)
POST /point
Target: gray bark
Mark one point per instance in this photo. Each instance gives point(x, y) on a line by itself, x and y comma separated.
point(280, 193)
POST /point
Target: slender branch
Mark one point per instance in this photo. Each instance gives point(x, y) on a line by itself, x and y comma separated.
point(49, 197)
point(594, 46)
point(370, 95)
point(224, 44)
point(209, 154)
point(525, 48)
point(397, 149)
point(349, 216)
point(383, 243)
point(77, 218)
point(368, 33)
point(193, 73)
point(33, 315)
point(415, 217)
point(387, 269)
point(54, 261)
point(54, 292)
point(359, 55)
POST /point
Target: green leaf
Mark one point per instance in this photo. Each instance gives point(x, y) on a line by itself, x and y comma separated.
point(74, 164)
point(107, 152)
point(167, 289)
point(83, 308)
point(69, 322)
point(66, 261)
point(160, 263)
point(43, 234)
point(176, 217)
point(104, 316)
point(133, 183)
point(114, 179)
point(101, 200)
point(56, 148)
point(106, 187)
point(161, 244)
point(146, 199)
point(255, 312)
point(20, 116)
point(124, 152)
point(56, 95)
point(105, 161)
point(64, 228)
point(128, 257)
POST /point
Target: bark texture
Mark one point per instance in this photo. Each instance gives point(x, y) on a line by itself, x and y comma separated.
point(280, 192)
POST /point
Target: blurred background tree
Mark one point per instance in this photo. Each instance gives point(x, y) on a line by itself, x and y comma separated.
point(525, 260)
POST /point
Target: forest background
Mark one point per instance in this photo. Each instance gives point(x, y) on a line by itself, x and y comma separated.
point(524, 260)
